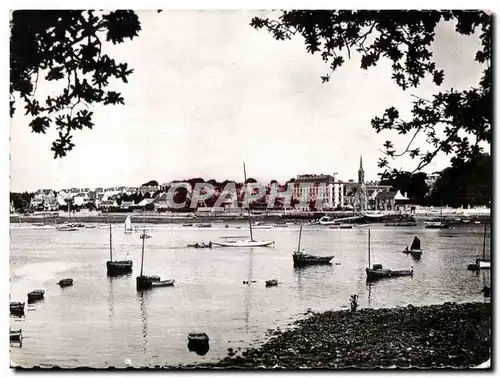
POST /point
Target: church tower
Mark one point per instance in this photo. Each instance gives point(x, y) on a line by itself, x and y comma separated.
point(361, 172)
point(361, 198)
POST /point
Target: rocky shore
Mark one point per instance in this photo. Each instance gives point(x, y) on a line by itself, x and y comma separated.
point(437, 336)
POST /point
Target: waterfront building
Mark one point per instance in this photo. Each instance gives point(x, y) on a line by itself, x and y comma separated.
point(310, 187)
point(393, 200)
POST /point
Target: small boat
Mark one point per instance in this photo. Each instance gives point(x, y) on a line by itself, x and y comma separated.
point(278, 225)
point(227, 242)
point(302, 259)
point(415, 248)
point(116, 268)
point(202, 245)
point(90, 226)
point(377, 271)
point(187, 225)
point(482, 263)
point(204, 225)
point(198, 337)
point(17, 308)
point(148, 282)
point(66, 227)
point(271, 283)
point(128, 225)
point(437, 225)
point(163, 283)
point(66, 282)
point(16, 336)
point(35, 295)
point(198, 342)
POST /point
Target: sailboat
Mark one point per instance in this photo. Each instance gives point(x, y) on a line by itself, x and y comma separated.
point(148, 282)
point(128, 225)
point(302, 259)
point(482, 263)
point(415, 248)
point(377, 271)
point(116, 268)
point(238, 242)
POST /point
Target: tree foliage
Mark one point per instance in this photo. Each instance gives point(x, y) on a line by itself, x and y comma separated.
point(454, 122)
point(66, 46)
point(414, 185)
point(464, 183)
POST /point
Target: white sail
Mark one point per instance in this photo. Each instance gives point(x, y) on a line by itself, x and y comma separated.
point(128, 224)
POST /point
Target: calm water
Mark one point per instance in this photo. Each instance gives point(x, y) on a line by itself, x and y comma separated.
point(103, 322)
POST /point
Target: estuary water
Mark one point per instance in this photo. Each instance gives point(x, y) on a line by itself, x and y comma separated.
point(101, 322)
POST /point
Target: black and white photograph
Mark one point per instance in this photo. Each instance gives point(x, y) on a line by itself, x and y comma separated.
point(250, 189)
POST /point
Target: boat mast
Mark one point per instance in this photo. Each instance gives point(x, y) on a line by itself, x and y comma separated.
point(110, 244)
point(249, 216)
point(300, 234)
point(142, 254)
point(484, 242)
point(369, 248)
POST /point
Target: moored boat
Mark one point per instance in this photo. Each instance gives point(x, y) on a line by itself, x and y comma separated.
point(271, 283)
point(300, 258)
point(17, 308)
point(437, 225)
point(16, 336)
point(198, 342)
point(377, 271)
point(481, 263)
point(66, 282)
point(36, 295)
point(163, 283)
point(148, 282)
point(236, 242)
point(117, 267)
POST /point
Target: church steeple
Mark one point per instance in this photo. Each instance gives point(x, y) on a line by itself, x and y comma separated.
point(361, 172)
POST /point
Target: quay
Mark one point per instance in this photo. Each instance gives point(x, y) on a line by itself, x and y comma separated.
point(455, 216)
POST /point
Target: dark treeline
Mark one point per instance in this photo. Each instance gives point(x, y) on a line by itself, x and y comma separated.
point(461, 184)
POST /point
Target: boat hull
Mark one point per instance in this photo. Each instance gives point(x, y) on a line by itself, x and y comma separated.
point(116, 268)
point(305, 260)
point(17, 309)
point(36, 295)
point(375, 274)
point(244, 243)
point(66, 282)
point(164, 283)
point(146, 282)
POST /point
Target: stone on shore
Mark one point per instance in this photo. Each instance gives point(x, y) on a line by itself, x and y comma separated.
point(448, 335)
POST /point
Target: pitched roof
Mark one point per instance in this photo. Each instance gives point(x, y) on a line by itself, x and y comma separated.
point(314, 178)
point(385, 195)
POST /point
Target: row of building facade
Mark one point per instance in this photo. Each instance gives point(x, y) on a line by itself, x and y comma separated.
point(325, 188)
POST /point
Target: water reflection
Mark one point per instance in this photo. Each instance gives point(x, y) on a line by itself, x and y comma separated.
point(369, 286)
point(248, 291)
point(111, 298)
point(144, 317)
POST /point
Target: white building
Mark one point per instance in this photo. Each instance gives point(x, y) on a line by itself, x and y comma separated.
point(311, 187)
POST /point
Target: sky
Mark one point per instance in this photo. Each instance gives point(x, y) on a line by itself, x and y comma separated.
point(209, 92)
